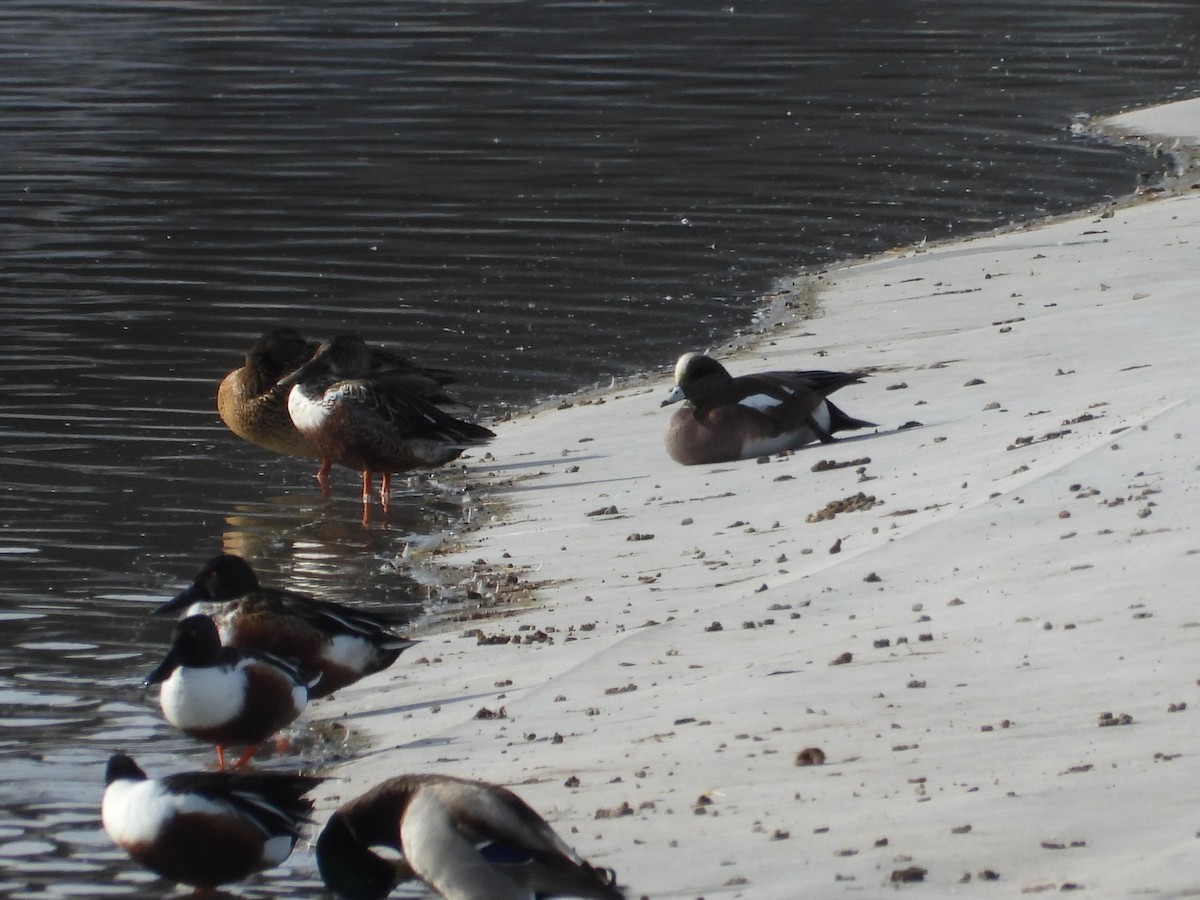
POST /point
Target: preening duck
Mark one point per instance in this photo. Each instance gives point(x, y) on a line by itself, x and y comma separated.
point(204, 828)
point(254, 407)
point(467, 840)
point(730, 418)
point(340, 643)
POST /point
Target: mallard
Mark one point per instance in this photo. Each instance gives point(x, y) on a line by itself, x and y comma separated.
point(468, 840)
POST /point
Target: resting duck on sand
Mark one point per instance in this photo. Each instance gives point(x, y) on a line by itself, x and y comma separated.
point(729, 418)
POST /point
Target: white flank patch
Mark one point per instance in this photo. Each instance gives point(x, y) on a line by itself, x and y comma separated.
point(300, 697)
point(203, 697)
point(277, 849)
point(351, 652)
point(789, 439)
point(822, 416)
point(134, 812)
point(760, 401)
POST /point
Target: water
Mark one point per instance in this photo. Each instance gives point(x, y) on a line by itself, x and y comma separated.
point(536, 195)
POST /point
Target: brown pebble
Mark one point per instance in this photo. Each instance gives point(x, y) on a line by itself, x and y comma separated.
point(842, 660)
point(810, 756)
point(911, 874)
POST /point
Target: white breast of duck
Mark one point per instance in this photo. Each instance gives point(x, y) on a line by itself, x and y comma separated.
point(135, 813)
point(309, 407)
point(197, 698)
point(220, 613)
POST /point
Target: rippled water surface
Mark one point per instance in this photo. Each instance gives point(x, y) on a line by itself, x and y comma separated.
point(538, 195)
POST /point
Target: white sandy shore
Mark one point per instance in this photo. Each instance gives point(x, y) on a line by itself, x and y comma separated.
point(1028, 567)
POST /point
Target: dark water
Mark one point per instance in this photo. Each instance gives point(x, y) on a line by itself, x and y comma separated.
point(537, 195)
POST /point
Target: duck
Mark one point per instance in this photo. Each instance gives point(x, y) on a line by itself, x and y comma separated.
point(728, 418)
point(465, 839)
point(226, 695)
point(251, 404)
point(254, 407)
point(367, 424)
point(204, 828)
point(340, 643)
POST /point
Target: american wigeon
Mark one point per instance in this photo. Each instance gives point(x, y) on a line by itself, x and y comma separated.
point(204, 828)
point(226, 695)
point(468, 840)
point(253, 405)
point(729, 418)
point(341, 643)
point(369, 425)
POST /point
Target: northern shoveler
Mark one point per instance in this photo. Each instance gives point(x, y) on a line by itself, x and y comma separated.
point(342, 644)
point(204, 828)
point(366, 424)
point(731, 418)
point(251, 404)
point(468, 840)
point(254, 407)
point(226, 695)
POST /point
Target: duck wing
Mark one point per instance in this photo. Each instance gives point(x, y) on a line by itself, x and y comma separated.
point(386, 363)
point(820, 380)
point(406, 415)
point(334, 618)
point(273, 801)
point(476, 841)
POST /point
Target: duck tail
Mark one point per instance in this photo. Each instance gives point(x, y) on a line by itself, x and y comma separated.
point(839, 421)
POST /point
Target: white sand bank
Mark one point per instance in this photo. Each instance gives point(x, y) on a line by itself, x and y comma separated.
point(1029, 565)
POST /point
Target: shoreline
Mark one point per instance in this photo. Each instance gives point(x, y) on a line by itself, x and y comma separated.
point(671, 644)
